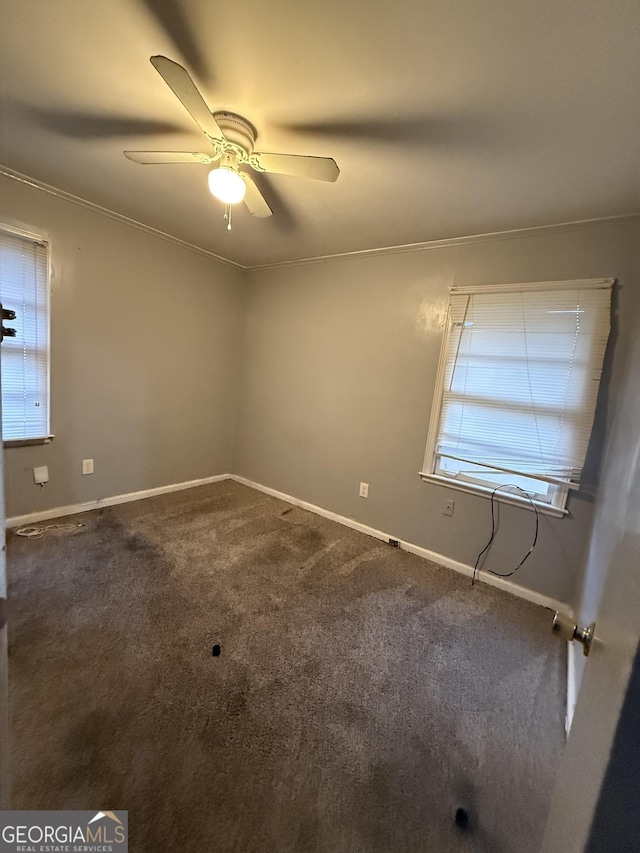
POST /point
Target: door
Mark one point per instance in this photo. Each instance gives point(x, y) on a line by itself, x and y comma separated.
point(601, 758)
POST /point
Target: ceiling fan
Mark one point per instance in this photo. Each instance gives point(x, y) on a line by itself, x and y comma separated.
point(232, 138)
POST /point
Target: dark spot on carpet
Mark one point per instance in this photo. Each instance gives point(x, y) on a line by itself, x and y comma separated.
point(215, 651)
point(87, 742)
point(350, 713)
point(462, 819)
point(135, 544)
point(309, 834)
point(235, 705)
point(287, 511)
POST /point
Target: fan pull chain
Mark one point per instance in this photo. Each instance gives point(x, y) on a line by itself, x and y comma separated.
point(227, 216)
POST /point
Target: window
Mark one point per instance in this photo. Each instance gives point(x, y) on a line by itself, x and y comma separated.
point(24, 288)
point(517, 387)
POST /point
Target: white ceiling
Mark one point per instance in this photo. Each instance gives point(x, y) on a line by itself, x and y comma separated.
point(447, 118)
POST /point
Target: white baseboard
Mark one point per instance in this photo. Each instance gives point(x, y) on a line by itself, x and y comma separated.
point(441, 559)
point(72, 509)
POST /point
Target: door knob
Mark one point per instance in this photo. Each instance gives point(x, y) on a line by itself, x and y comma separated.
point(565, 628)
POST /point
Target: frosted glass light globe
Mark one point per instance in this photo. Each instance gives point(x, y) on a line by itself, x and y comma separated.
point(227, 185)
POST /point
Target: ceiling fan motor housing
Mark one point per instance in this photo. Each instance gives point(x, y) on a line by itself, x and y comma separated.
point(237, 130)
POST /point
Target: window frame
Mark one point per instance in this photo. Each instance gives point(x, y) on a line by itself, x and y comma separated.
point(558, 507)
point(42, 240)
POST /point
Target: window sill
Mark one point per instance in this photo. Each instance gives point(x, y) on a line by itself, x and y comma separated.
point(502, 497)
point(27, 442)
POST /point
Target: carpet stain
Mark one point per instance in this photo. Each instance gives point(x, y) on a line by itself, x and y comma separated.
point(462, 819)
point(365, 699)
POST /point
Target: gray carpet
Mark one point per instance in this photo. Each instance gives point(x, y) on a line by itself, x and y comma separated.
point(362, 694)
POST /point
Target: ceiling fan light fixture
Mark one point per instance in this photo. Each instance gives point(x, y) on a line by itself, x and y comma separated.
point(230, 142)
point(226, 184)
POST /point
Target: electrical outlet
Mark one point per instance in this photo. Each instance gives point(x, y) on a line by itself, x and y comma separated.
point(87, 466)
point(364, 490)
point(41, 475)
point(448, 507)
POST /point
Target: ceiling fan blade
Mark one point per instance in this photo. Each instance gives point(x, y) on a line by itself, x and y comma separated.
point(300, 166)
point(168, 157)
point(178, 80)
point(253, 198)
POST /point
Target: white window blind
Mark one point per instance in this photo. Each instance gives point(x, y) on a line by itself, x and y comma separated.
point(24, 288)
point(520, 373)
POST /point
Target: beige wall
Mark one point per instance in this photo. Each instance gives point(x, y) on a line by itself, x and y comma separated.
point(143, 365)
point(338, 365)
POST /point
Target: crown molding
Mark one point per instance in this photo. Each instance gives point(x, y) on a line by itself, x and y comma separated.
point(112, 214)
point(446, 242)
point(427, 245)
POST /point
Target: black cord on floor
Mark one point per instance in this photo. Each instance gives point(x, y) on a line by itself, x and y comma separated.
point(494, 530)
